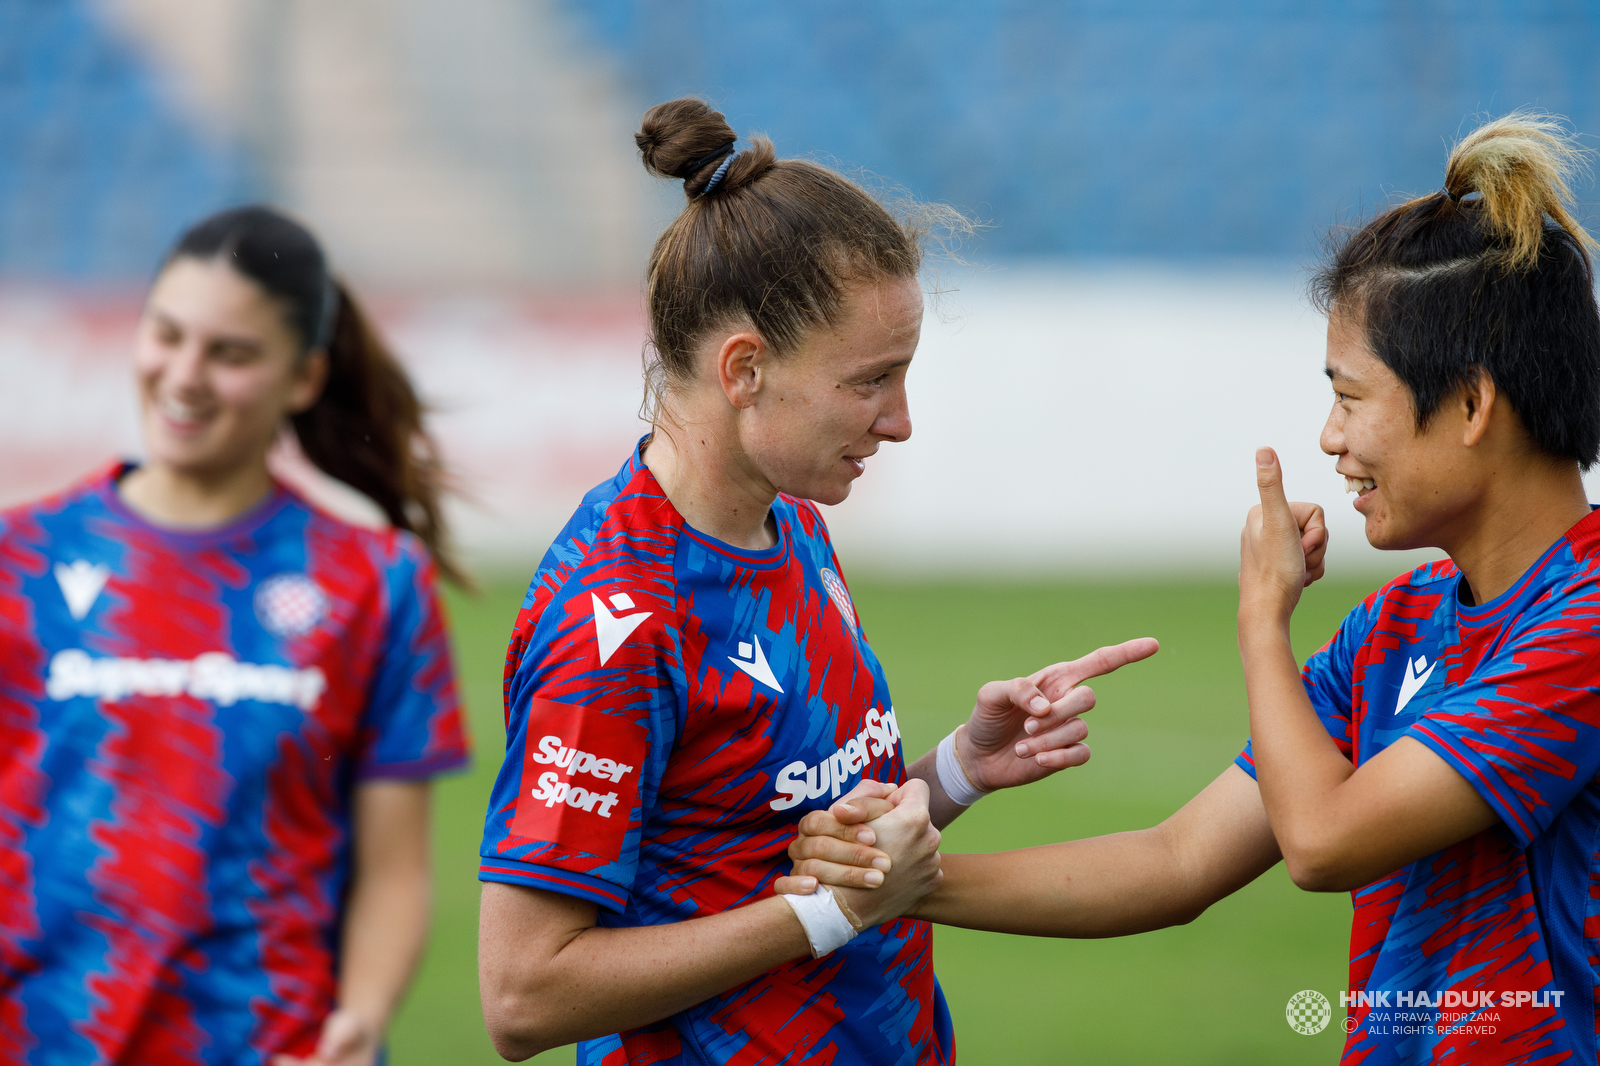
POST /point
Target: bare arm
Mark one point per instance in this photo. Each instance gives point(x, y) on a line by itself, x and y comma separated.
point(1113, 885)
point(1339, 827)
point(549, 976)
point(385, 920)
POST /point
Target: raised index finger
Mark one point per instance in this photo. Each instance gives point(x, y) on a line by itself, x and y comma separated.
point(1055, 680)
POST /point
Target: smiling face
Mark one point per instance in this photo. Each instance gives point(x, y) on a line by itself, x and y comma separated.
point(825, 407)
point(1415, 489)
point(218, 369)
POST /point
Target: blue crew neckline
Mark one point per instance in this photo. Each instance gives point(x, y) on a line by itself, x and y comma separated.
point(191, 536)
point(1480, 614)
point(760, 558)
point(749, 556)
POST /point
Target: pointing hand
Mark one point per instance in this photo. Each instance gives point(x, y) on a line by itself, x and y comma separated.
point(1029, 727)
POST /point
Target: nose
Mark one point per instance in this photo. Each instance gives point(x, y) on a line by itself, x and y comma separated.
point(894, 421)
point(182, 372)
point(1332, 439)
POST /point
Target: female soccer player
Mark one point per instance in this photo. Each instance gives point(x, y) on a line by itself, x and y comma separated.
point(688, 675)
point(219, 706)
point(1438, 757)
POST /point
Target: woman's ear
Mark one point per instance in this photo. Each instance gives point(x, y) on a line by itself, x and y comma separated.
point(1478, 403)
point(310, 378)
point(740, 361)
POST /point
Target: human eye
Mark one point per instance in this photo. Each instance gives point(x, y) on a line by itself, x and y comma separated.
point(880, 379)
point(231, 354)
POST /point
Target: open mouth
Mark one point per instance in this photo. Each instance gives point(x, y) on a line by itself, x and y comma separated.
point(1359, 485)
point(180, 416)
point(856, 464)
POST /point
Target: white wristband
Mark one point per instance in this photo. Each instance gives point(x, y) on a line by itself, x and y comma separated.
point(954, 779)
point(824, 921)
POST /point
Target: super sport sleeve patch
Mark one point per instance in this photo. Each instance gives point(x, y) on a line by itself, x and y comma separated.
point(581, 772)
point(591, 712)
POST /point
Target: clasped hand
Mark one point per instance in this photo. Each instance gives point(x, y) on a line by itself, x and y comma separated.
point(843, 847)
point(905, 862)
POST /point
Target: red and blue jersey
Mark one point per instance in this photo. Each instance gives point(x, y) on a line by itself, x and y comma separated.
point(1487, 951)
point(674, 705)
point(183, 716)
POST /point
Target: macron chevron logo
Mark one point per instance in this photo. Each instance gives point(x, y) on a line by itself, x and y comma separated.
point(1415, 677)
point(755, 664)
point(610, 630)
point(81, 583)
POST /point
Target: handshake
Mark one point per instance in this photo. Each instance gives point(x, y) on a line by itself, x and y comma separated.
point(876, 849)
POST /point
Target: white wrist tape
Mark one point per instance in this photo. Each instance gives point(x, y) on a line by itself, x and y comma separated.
point(953, 778)
point(825, 924)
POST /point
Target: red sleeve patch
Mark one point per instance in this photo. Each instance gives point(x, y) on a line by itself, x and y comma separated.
point(580, 777)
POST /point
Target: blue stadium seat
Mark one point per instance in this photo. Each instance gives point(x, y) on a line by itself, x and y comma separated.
point(1169, 128)
point(98, 173)
point(1164, 128)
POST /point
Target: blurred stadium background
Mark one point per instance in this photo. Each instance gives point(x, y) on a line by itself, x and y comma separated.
point(1095, 371)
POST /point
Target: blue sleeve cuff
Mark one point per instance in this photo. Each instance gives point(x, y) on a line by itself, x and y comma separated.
point(529, 875)
point(1244, 762)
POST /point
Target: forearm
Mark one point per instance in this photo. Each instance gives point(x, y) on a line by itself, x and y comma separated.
point(1119, 884)
point(942, 810)
point(1103, 886)
point(1298, 766)
point(385, 930)
point(602, 981)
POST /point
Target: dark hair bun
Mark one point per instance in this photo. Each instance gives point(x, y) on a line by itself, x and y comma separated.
point(676, 138)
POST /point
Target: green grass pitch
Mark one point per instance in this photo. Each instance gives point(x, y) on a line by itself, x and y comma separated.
point(1210, 992)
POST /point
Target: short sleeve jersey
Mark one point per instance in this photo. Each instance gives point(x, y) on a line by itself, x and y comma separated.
point(1487, 951)
point(182, 718)
point(674, 705)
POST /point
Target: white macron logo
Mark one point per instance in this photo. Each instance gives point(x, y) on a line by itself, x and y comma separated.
point(611, 630)
point(756, 666)
point(81, 583)
point(1413, 680)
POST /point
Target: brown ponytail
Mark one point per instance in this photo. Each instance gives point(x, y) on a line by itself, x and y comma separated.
point(771, 243)
point(366, 428)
